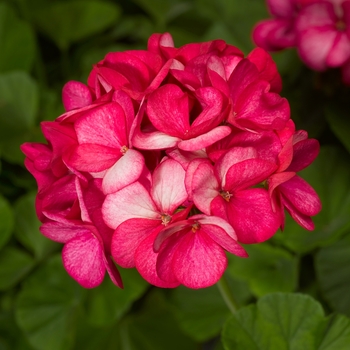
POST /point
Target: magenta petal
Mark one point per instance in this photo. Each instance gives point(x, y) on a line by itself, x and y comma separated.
point(301, 195)
point(165, 256)
point(198, 262)
point(305, 153)
point(168, 110)
point(128, 236)
point(190, 171)
point(146, 261)
point(206, 139)
point(61, 232)
point(168, 190)
point(303, 220)
point(75, 95)
point(233, 156)
point(248, 173)
point(113, 272)
point(251, 216)
point(80, 158)
point(84, 260)
point(105, 125)
point(218, 235)
point(124, 172)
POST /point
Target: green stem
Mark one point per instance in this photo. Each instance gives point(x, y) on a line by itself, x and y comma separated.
point(227, 294)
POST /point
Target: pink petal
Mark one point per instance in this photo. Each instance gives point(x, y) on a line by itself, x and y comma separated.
point(128, 236)
point(146, 260)
point(113, 272)
point(233, 156)
point(124, 172)
point(104, 126)
point(257, 108)
point(165, 256)
point(191, 169)
point(218, 235)
point(274, 34)
point(301, 196)
point(205, 140)
point(251, 216)
point(281, 8)
point(205, 187)
point(303, 220)
point(278, 179)
point(92, 157)
point(61, 232)
point(198, 262)
point(130, 202)
point(75, 95)
point(184, 157)
point(154, 140)
point(319, 14)
point(168, 189)
point(315, 45)
point(248, 173)
point(305, 153)
point(168, 110)
point(84, 261)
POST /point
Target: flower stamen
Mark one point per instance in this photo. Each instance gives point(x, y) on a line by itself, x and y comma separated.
point(124, 149)
point(195, 226)
point(226, 195)
point(165, 219)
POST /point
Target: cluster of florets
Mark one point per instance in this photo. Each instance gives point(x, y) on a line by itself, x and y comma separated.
point(319, 29)
point(167, 159)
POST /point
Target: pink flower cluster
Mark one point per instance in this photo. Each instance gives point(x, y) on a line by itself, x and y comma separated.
point(167, 159)
point(320, 29)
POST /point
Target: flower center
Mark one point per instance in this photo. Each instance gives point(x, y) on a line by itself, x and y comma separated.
point(165, 219)
point(340, 25)
point(226, 195)
point(124, 149)
point(195, 226)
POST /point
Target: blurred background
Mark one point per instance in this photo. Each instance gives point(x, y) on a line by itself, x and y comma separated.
point(45, 43)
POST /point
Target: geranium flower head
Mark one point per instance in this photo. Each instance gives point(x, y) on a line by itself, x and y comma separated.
point(168, 159)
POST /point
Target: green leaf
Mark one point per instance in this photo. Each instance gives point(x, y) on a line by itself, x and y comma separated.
point(14, 265)
point(154, 327)
point(233, 15)
point(267, 269)
point(164, 11)
point(17, 41)
point(6, 221)
point(18, 104)
point(339, 122)
point(286, 322)
point(48, 306)
point(329, 176)
point(151, 326)
point(71, 21)
point(11, 337)
point(333, 270)
point(201, 313)
point(27, 227)
point(107, 303)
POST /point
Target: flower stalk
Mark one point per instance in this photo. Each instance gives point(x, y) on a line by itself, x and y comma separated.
point(226, 294)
